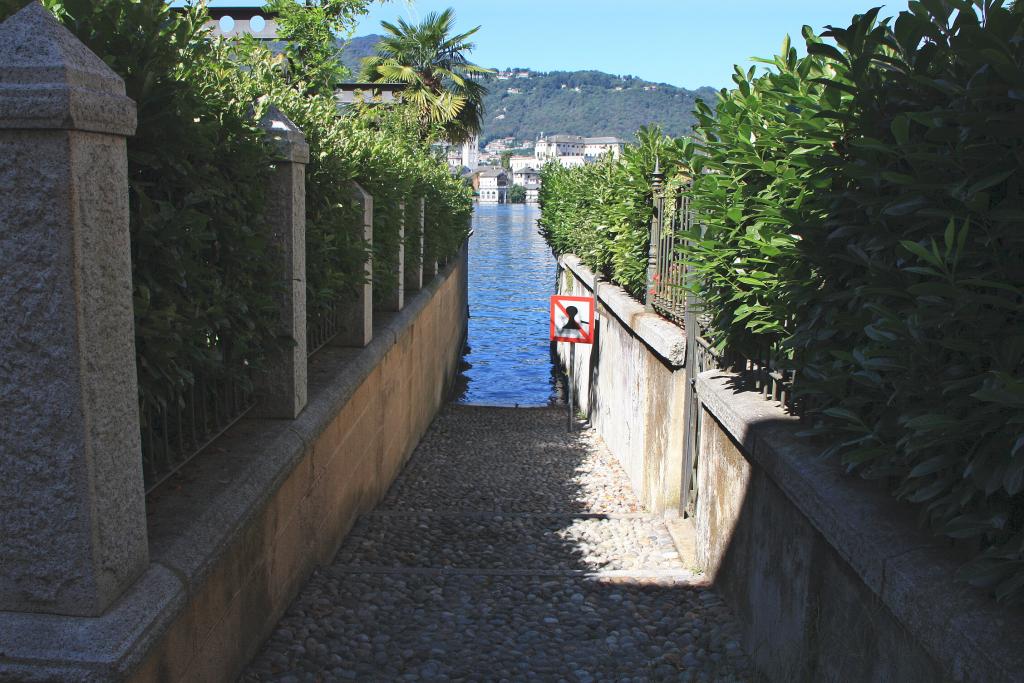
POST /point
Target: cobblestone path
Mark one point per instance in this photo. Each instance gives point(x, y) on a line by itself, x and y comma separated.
point(507, 550)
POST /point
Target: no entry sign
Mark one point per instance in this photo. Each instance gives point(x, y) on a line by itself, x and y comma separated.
point(572, 319)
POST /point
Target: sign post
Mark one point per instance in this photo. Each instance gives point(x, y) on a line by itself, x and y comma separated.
point(572, 321)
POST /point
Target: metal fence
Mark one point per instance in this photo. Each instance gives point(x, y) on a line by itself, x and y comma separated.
point(176, 431)
point(668, 275)
point(765, 374)
point(321, 327)
point(666, 293)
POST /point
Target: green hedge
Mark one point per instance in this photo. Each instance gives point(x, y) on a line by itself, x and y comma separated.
point(380, 148)
point(862, 214)
point(602, 212)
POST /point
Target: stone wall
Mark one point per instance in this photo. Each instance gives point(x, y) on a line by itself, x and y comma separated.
point(830, 577)
point(630, 384)
point(271, 501)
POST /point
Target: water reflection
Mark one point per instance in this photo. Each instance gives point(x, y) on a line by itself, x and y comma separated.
point(511, 277)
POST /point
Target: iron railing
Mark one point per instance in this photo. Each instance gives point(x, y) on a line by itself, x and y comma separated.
point(666, 293)
point(322, 326)
point(764, 373)
point(175, 431)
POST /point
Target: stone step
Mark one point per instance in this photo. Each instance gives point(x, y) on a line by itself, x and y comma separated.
point(586, 543)
point(378, 626)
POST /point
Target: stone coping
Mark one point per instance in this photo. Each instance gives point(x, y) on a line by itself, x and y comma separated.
point(911, 572)
point(665, 339)
point(191, 527)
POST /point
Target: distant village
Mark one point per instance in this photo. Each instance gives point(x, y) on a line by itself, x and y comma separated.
point(506, 163)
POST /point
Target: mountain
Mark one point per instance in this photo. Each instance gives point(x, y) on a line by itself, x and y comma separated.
point(589, 103)
point(354, 50)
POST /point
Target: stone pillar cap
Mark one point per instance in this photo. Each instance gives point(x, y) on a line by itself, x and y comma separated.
point(50, 80)
point(285, 136)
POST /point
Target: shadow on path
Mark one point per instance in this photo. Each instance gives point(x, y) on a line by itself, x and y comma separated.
point(507, 550)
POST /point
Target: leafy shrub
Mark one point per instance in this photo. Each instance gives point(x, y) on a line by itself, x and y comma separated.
point(861, 211)
point(602, 212)
point(449, 209)
point(335, 249)
point(756, 171)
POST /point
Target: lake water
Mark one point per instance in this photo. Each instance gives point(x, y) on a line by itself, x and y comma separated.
point(512, 275)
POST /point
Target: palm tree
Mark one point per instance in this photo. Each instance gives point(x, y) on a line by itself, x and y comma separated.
point(441, 83)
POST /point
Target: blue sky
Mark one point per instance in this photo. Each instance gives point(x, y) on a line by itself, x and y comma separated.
point(689, 43)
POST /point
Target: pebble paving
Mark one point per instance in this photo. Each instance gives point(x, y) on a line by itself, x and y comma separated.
point(507, 550)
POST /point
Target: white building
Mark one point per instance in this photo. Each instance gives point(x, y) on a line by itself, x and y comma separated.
point(594, 148)
point(526, 177)
point(573, 150)
point(559, 147)
point(493, 186)
point(518, 162)
point(463, 156)
point(529, 179)
point(572, 161)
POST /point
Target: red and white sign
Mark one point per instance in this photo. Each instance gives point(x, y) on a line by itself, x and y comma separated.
point(572, 319)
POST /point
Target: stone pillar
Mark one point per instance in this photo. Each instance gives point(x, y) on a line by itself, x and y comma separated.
point(414, 265)
point(282, 385)
point(72, 506)
point(395, 300)
point(356, 326)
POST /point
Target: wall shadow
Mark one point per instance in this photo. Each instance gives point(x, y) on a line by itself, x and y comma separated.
point(805, 613)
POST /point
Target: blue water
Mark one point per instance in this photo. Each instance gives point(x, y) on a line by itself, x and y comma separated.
point(512, 275)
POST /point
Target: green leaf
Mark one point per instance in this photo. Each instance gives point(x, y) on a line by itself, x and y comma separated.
point(931, 421)
point(901, 129)
point(843, 414)
point(922, 253)
point(990, 181)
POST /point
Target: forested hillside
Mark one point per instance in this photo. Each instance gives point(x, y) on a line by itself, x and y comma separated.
point(586, 103)
point(573, 102)
point(356, 49)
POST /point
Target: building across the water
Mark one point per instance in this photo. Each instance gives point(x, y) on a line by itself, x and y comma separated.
point(519, 162)
point(525, 176)
point(494, 186)
point(594, 148)
point(559, 147)
point(575, 150)
point(529, 179)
